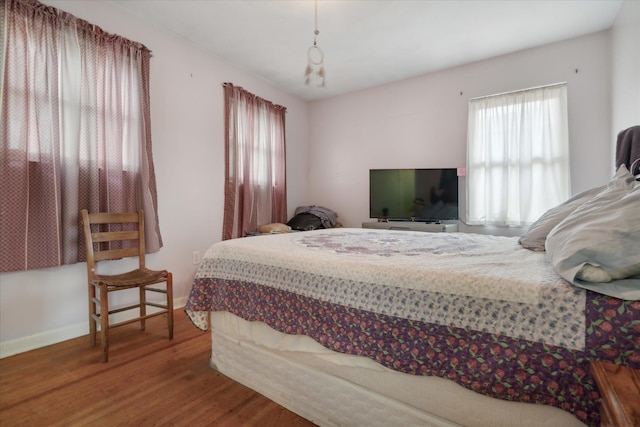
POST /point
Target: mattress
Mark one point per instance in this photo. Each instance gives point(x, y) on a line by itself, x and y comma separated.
point(336, 389)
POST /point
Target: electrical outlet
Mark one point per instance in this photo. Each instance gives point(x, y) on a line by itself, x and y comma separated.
point(196, 257)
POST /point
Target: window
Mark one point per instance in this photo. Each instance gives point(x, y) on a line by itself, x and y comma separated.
point(517, 156)
point(75, 133)
point(255, 187)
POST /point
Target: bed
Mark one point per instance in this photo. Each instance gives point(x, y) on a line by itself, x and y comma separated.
point(359, 327)
point(353, 304)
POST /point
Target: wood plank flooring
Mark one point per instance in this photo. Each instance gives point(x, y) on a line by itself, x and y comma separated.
point(148, 381)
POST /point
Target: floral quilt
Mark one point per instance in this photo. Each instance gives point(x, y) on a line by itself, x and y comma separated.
point(479, 310)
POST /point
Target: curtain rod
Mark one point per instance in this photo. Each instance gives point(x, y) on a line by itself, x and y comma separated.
point(252, 95)
point(517, 91)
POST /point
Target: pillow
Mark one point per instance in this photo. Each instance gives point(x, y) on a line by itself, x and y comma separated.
point(597, 246)
point(273, 228)
point(535, 237)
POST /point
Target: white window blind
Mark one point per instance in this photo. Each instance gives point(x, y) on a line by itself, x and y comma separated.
point(517, 156)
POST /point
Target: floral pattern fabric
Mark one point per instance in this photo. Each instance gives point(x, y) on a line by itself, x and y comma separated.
point(515, 365)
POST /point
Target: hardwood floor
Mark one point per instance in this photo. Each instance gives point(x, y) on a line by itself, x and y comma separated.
point(148, 381)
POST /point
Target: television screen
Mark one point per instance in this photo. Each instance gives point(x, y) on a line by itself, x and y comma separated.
point(413, 194)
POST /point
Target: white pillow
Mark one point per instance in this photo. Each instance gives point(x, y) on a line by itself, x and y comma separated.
point(597, 246)
point(535, 237)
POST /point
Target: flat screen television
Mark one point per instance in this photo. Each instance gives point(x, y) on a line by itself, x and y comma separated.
point(425, 195)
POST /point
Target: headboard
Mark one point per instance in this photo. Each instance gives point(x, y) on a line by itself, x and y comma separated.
point(628, 149)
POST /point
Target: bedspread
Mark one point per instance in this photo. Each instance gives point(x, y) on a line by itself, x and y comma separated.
point(479, 310)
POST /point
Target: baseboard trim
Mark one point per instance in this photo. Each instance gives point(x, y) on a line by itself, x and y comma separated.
point(55, 336)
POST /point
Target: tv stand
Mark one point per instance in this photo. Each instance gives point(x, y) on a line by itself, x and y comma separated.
point(431, 227)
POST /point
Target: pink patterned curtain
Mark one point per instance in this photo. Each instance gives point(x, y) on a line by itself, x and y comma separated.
point(75, 129)
point(255, 187)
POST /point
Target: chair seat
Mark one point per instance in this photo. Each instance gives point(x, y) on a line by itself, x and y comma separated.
point(135, 278)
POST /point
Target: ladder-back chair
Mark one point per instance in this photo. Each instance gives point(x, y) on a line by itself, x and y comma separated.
point(116, 236)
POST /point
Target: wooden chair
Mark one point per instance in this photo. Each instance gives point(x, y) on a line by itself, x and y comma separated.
point(116, 236)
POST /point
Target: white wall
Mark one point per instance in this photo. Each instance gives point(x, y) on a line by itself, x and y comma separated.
point(422, 122)
point(419, 122)
point(625, 48)
point(46, 306)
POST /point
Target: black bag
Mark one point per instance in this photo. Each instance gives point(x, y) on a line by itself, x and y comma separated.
point(305, 222)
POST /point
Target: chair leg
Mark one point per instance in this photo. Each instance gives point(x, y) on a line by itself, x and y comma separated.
point(104, 322)
point(143, 307)
point(170, 304)
point(92, 313)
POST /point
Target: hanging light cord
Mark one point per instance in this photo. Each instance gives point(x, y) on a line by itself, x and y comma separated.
point(316, 31)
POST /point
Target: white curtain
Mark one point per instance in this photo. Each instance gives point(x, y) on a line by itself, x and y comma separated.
point(255, 184)
point(74, 133)
point(517, 156)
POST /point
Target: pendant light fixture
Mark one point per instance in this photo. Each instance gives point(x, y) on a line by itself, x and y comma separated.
point(314, 74)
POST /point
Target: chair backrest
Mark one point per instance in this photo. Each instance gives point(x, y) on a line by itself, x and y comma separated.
point(115, 236)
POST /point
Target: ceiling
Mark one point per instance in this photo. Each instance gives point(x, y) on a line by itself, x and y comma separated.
point(368, 43)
